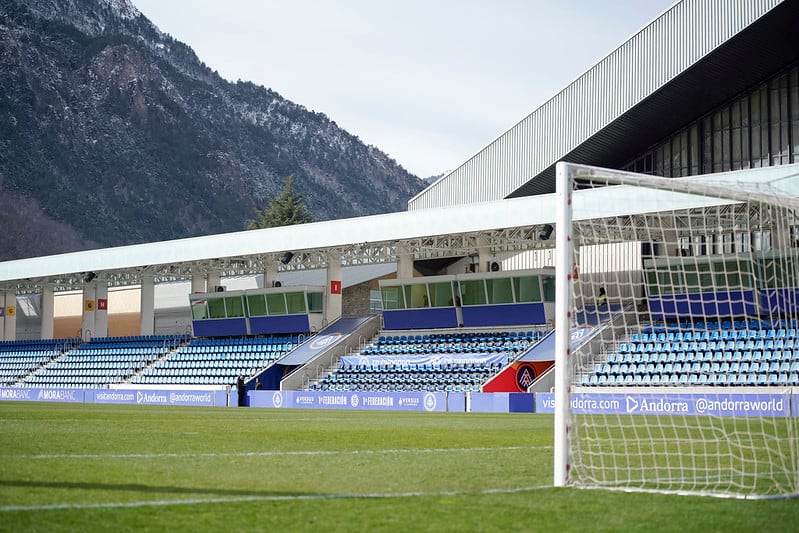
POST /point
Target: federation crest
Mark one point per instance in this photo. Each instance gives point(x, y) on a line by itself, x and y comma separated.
point(429, 401)
point(277, 399)
point(525, 375)
point(354, 401)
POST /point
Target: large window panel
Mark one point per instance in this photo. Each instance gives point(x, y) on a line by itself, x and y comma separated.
point(473, 292)
point(527, 289)
point(256, 304)
point(295, 303)
point(392, 298)
point(315, 302)
point(216, 308)
point(276, 304)
point(499, 291)
point(441, 294)
point(199, 310)
point(416, 296)
point(234, 307)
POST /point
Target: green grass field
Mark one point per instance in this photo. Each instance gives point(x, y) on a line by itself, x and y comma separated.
point(102, 467)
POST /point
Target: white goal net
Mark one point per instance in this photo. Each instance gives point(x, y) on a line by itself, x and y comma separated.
point(683, 375)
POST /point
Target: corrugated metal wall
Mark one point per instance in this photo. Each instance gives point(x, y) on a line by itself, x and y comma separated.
point(595, 259)
point(680, 37)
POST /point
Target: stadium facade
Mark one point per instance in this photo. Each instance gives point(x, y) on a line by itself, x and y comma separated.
point(708, 86)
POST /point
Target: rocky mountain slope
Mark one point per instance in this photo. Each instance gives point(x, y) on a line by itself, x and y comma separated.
point(112, 132)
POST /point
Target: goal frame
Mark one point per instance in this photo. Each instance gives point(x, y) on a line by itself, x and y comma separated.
point(565, 279)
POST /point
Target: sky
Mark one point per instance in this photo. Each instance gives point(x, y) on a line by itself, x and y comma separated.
point(429, 82)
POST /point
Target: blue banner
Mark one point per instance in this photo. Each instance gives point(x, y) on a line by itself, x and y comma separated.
point(716, 404)
point(423, 359)
point(204, 398)
point(393, 401)
point(42, 395)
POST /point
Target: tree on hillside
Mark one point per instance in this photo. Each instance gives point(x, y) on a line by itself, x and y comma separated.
point(284, 210)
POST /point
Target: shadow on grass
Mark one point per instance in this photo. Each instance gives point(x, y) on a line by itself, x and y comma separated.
point(136, 487)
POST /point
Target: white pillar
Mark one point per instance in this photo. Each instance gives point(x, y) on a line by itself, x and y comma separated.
point(87, 321)
point(147, 305)
point(197, 283)
point(334, 288)
point(10, 322)
point(47, 310)
point(484, 257)
point(213, 280)
point(101, 309)
point(404, 264)
point(270, 274)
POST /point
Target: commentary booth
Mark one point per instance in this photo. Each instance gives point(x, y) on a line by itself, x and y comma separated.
point(257, 311)
point(485, 299)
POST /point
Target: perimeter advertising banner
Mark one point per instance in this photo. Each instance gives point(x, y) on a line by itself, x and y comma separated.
point(392, 401)
point(716, 404)
point(42, 395)
point(203, 398)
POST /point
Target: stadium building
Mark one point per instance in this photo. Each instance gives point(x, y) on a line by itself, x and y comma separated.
point(705, 88)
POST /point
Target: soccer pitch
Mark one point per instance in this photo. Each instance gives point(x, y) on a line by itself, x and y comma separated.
point(72, 467)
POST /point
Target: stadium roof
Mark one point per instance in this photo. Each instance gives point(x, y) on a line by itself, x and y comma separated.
point(504, 225)
point(692, 58)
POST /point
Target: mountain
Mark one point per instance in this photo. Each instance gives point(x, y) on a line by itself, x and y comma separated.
point(112, 133)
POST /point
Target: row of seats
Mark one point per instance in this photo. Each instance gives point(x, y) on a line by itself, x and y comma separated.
point(683, 379)
point(695, 346)
point(681, 357)
point(396, 387)
point(443, 348)
point(243, 341)
point(737, 325)
point(460, 337)
point(715, 335)
point(696, 367)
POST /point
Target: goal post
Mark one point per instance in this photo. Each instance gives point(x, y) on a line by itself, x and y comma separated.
point(682, 379)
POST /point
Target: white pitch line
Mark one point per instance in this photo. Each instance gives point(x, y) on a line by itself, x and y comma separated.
point(269, 453)
point(274, 498)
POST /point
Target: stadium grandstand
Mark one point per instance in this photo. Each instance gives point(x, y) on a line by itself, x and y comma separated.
point(457, 294)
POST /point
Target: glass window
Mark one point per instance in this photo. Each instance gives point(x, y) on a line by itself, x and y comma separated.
point(499, 291)
point(295, 302)
point(392, 298)
point(764, 127)
point(705, 277)
point(473, 292)
point(256, 304)
point(659, 161)
point(375, 302)
point(216, 308)
point(315, 302)
point(693, 140)
point(234, 307)
point(707, 145)
point(441, 294)
point(735, 136)
point(276, 304)
point(527, 289)
point(199, 310)
point(676, 154)
point(652, 281)
point(416, 296)
point(548, 284)
point(794, 106)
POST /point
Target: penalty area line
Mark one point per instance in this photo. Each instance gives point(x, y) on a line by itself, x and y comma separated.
point(269, 453)
point(271, 498)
